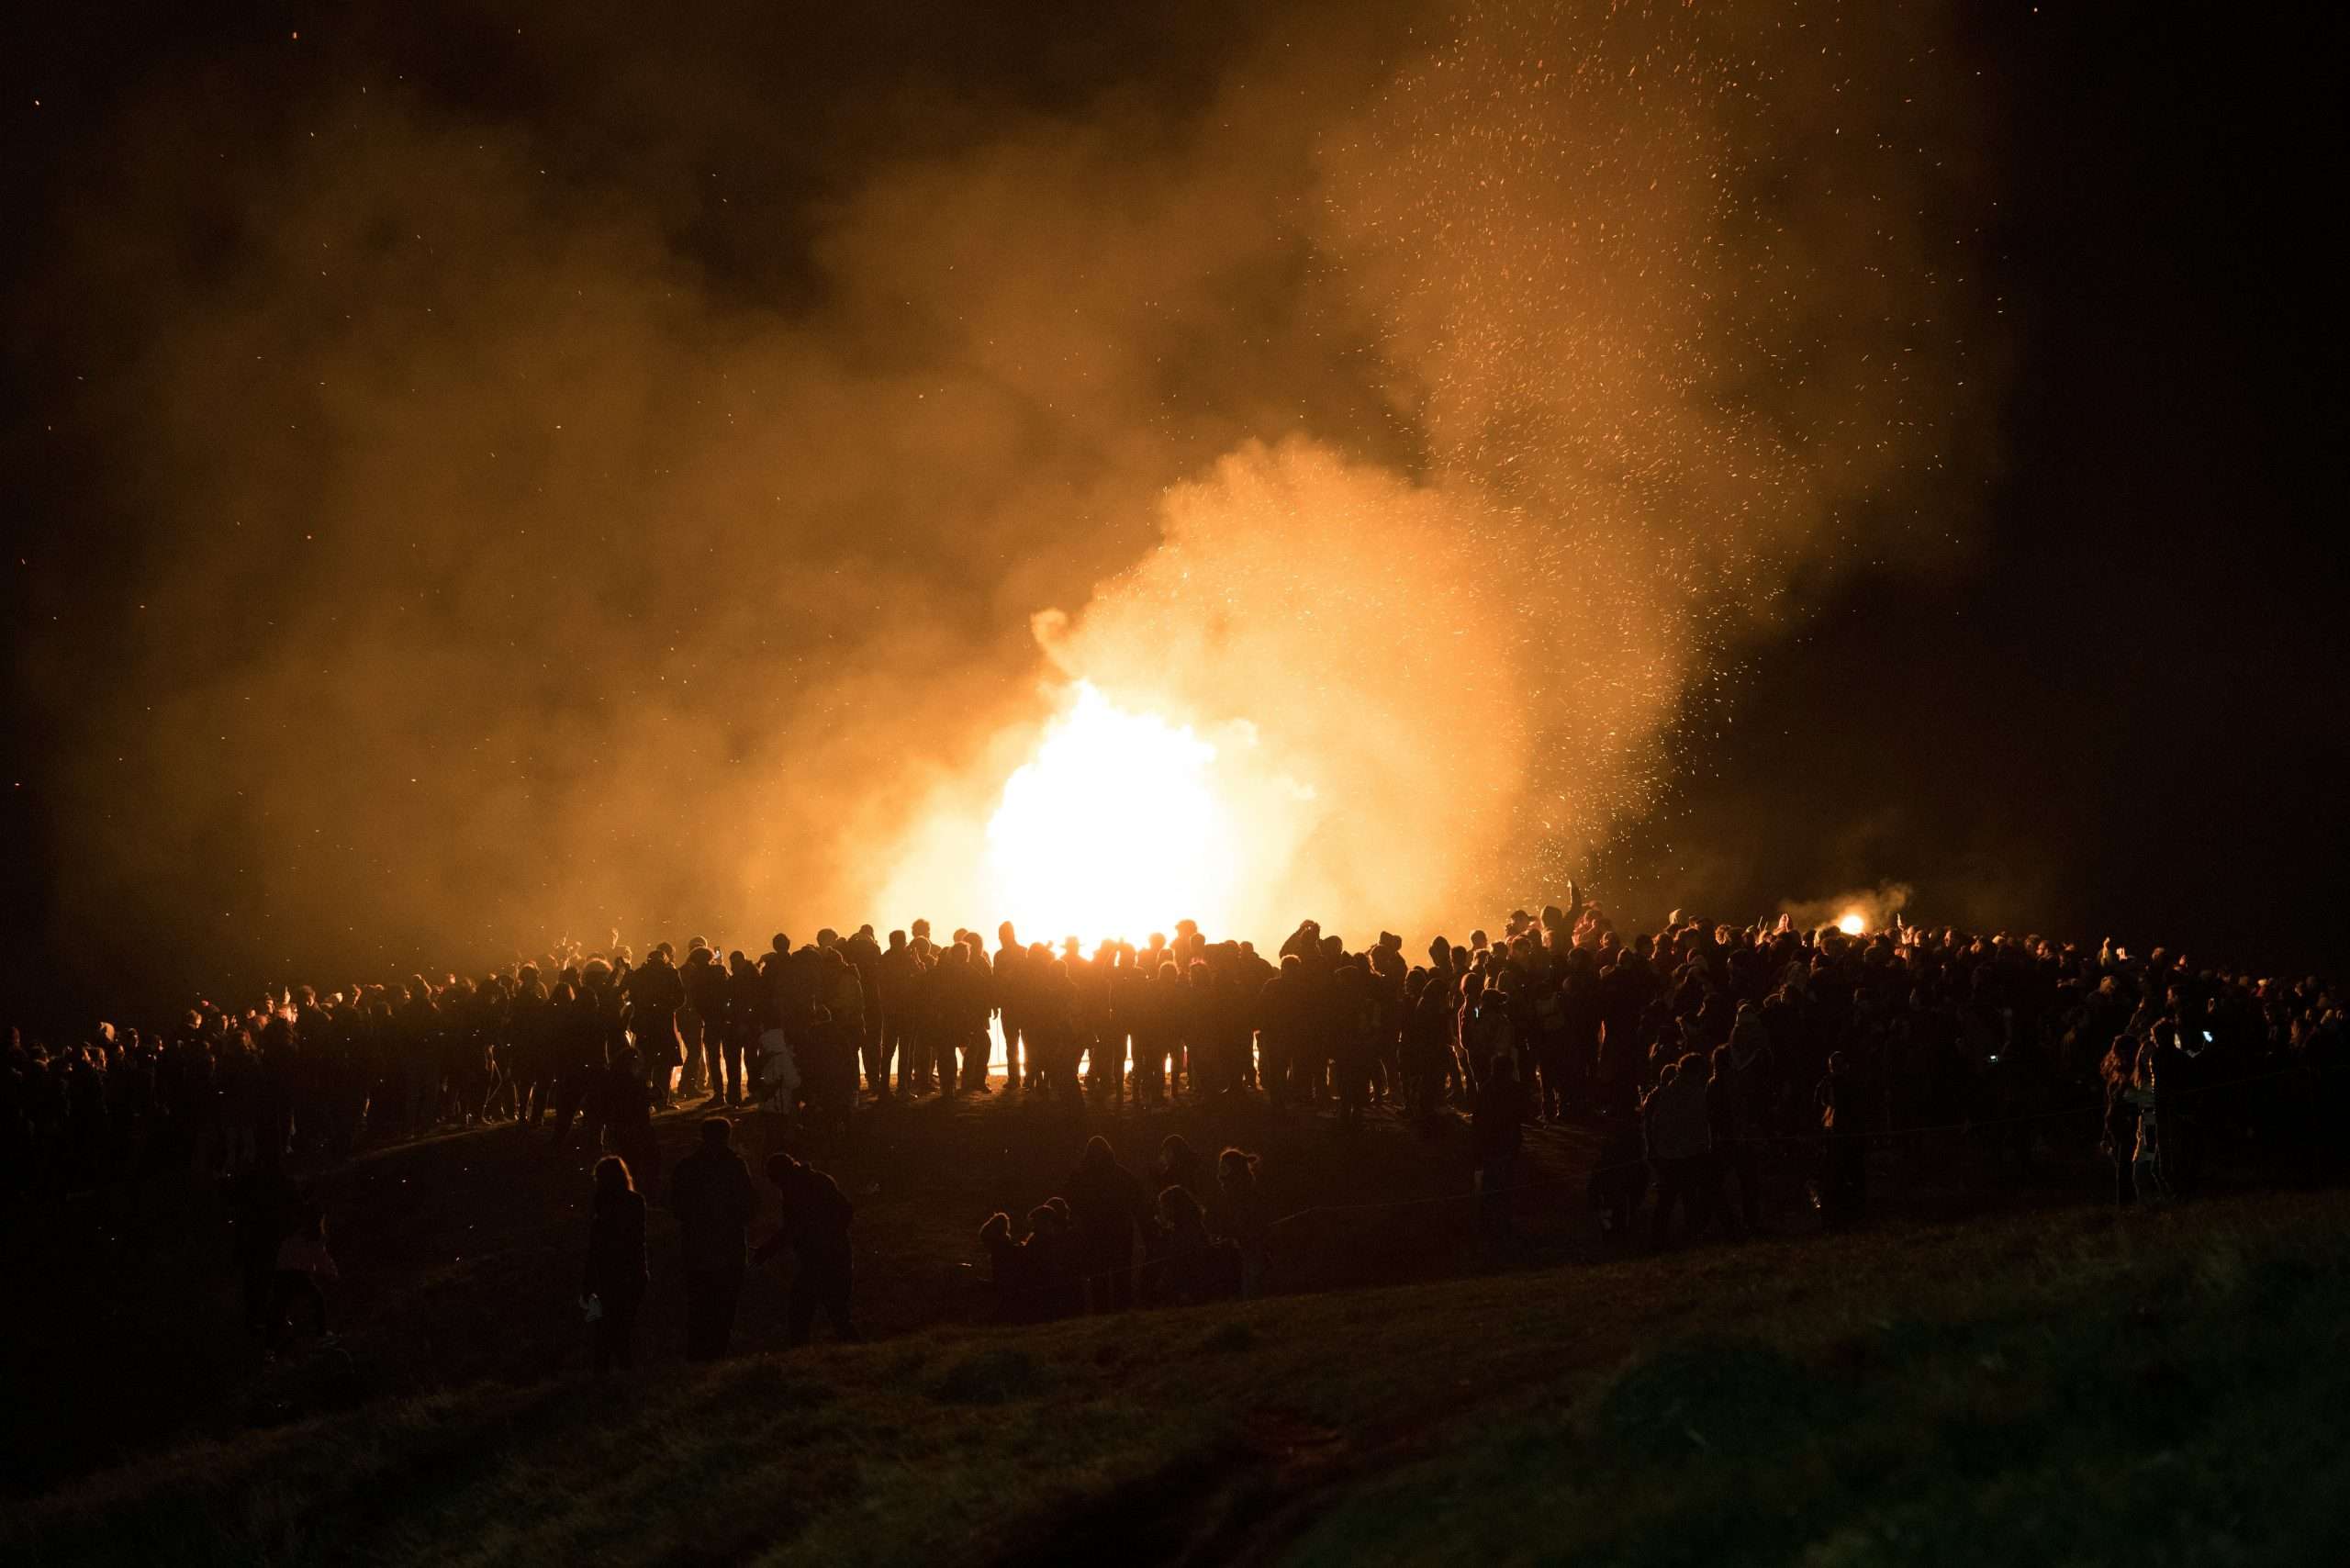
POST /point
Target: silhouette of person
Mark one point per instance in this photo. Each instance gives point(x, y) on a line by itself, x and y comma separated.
point(655, 995)
point(1106, 1206)
point(1844, 1165)
point(711, 1194)
point(1497, 1132)
point(263, 1204)
point(1011, 1269)
point(614, 1278)
point(816, 1215)
point(703, 1022)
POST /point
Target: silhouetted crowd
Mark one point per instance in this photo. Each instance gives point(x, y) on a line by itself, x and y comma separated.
point(1702, 1051)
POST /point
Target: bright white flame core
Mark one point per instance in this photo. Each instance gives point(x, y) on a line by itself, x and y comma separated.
point(1115, 828)
point(1852, 922)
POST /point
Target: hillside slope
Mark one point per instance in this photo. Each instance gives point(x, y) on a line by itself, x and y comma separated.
point(2066, 1386)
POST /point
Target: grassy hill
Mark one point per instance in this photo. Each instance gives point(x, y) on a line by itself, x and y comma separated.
point(2063, 1386)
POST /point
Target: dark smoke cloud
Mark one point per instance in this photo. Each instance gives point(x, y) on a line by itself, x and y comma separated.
point(496, 536)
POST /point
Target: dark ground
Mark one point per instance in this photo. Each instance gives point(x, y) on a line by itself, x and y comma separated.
point(460, 1254)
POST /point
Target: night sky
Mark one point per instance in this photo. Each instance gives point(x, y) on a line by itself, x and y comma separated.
point(2108, 699)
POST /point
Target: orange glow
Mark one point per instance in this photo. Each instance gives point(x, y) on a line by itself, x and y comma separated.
point(1852, 922)
point(1117, 827)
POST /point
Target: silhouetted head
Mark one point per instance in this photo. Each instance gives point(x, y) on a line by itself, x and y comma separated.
point(612, 1178)
point(1098, 1153)
point(783, 1167)
point(717, 1133)
point(779, 943)
point(897, 941)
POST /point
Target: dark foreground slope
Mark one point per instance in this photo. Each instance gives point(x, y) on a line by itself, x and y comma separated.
point(2065, 1386)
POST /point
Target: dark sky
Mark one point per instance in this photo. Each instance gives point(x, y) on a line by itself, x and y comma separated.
point(2118, 706)
point(2126, 713)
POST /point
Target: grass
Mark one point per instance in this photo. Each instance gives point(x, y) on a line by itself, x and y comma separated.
point(2060, 1387)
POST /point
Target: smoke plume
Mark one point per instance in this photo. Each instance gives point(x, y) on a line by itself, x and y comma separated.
point(504, 540)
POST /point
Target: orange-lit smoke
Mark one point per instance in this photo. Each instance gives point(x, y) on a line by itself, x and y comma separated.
point(1289, 708)
point(1663, 332)
point(1413, 405)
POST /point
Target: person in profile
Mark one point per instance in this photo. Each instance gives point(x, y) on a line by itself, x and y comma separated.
point(612, 1287)
point(1011, 1269)
point(1179, 1165)
point(816, 1215)
point(711, 1195)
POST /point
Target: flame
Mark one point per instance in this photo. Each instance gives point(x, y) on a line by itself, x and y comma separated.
point(1117, 827)
point(1852, 922)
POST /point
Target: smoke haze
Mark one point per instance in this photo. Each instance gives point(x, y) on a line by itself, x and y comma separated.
point(507, 545)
